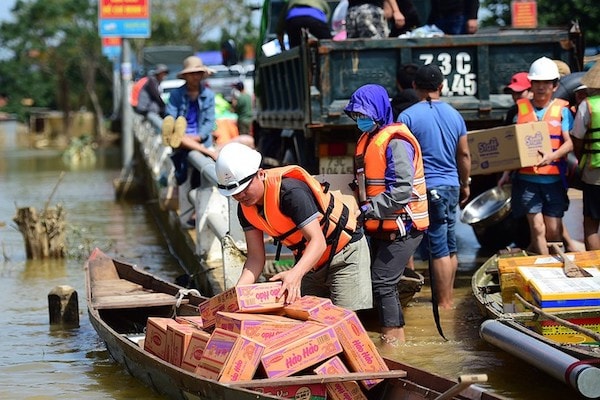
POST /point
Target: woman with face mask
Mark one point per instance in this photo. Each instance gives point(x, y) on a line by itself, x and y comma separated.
point(391, 190)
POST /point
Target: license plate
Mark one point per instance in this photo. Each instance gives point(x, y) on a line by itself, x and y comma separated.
point(336, 165)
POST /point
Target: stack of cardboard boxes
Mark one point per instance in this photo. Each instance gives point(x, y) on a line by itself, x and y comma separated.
point(247, 332)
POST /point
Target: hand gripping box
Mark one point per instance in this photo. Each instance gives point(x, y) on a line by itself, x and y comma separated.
point(339, 390)
point(301, 347)
point(360, 351)
point(508, 147)
point(156, 336)
point(259, 327)
point(256, 298)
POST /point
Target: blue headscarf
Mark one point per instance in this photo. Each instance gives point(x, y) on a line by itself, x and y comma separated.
point(372, 101)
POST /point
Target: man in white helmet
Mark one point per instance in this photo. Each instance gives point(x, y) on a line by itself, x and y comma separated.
point(540, 192)
point(320, 227)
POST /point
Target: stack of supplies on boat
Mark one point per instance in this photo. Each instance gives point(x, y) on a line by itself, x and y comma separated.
point(248, 333)
point(541, 281)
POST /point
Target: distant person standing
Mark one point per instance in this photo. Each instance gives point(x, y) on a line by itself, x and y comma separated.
point(454, 17)
point(442, 134)
point(540, 191)
point(409, 20)
point(519, 88)
point(311, 15)
point(586, 141)
point(241, 103)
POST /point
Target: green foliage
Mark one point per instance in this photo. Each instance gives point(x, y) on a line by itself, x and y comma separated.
point(552, 13)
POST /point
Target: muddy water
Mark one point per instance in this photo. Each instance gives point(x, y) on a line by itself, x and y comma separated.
point(41, 362)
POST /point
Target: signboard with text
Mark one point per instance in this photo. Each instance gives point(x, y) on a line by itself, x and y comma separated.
point(524, 14)
point(124, 18)
point(111, 47)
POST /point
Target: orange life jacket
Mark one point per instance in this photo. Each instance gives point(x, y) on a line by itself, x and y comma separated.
point(337, 214)
point(135, 91)
point(553, 118)
point(373, 150)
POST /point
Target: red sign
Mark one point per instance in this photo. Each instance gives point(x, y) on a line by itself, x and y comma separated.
point(524, 14)
point(124, 9)
point(111, 41)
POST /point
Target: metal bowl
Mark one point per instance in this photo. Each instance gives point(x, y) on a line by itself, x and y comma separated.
point(488, 208)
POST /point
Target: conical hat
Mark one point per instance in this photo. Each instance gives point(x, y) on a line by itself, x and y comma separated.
point(591, 79)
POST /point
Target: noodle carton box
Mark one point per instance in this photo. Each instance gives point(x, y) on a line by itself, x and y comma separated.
point(194, 351)
point(360, 351)
point(194, 320)
point(229, 357)
point(156, 336)
point(256, 298)
point(259, 327)
point(508, 147)
point(304, 307)
point(315, 391)
point(339, 390)
point(301, 347)
point(178, 337)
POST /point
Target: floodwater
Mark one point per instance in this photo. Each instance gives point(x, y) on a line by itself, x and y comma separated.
point(38, 361)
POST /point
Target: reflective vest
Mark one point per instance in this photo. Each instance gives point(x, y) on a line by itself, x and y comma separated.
point(553, 118)
point(591, 141)
point(337, 214)
point(371, 153)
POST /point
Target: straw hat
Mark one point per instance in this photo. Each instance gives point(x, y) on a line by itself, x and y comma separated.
point(194, 64)
point(563, 67)
point(591, 79)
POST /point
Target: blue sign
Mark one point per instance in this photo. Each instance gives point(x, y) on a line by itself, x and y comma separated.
point(124, 27)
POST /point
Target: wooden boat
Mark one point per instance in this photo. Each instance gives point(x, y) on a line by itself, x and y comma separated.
point(485, 285)
point(120, 298)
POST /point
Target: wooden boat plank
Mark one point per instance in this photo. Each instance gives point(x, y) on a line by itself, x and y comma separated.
point(312, 379)
point(136, 300)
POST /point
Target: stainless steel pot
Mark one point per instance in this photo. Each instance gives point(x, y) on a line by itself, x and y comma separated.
point(487, 209)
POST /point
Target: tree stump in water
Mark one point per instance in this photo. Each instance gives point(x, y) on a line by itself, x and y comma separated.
point(44, 234)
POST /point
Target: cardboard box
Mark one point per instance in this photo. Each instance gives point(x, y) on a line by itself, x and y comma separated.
point(194, 320)
point(581, 259)
point(257, 298)
point(566, 294)
point(360, 351)
point(156, 336)
point(285, 357)
point(304, 307)
point(316, 391)
point(508, 147)
point(564, 334)
point(525, 275)
point(194, 351)
point(178, 337)
point(260, 327)
point(229, 357)
point(339, 390)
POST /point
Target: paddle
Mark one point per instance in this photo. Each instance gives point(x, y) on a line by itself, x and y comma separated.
point(570, 269)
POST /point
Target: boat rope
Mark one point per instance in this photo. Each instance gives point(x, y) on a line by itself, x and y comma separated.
point(181, 294)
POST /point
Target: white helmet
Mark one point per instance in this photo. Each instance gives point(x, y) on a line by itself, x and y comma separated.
point(236, 165)
point(543, 69)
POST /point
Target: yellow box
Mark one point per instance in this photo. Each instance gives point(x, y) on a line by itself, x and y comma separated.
point(508, 147)
point(581, 259)
point(566, 294)
point(525, 274)
point(339, 390)
point(564, 334)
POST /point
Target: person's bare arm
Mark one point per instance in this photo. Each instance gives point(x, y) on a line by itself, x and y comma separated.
point(255, 261)
point(391, 11)
point(463, 162)
point(315, 246)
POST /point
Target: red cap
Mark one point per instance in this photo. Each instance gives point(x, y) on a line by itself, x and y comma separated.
point(519, 82)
